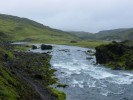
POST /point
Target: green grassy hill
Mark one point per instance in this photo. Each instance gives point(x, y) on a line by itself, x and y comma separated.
point(115, 34)
point(16, 29)
point(82, 34)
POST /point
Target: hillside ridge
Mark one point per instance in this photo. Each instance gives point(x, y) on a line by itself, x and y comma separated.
point(109, 35)
point(17, 29)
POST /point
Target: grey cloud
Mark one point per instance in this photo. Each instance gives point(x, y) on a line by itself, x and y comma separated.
point(78, 15)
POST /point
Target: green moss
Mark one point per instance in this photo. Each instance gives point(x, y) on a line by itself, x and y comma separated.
point(7, 86)
point(61, 85)
point(116, 55)
point(12, 87)
point(59, 95)
point(3, 52)
point(34, 65)
point(22, 48)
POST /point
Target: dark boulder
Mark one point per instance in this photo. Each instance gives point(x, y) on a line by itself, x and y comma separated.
point(6, 56)
point(46, 47)
point(102, 55)
point(117, 68)
point(65, 50)
point(73, 41)
point(89, 58)
point(34, 47)
point(38, 76)
point(62, 85)
point(89, 51)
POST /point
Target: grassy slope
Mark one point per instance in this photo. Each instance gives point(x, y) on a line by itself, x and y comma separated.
point(14, 87)
point(6, 89)
point(120, 34)
point(15, 28)
point(82, 34)
point(115, 34)
point(11, 86)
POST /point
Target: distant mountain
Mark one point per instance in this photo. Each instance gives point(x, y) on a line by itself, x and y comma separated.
point(110, 35)
point(82, 34)
point(16, 28)
point(116, 34)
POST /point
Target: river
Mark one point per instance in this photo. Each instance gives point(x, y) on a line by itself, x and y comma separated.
point(85, 79)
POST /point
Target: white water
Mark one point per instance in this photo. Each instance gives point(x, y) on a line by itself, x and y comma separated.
point(86, 80)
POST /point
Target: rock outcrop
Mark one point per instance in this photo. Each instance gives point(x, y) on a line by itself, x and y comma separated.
point(116, 55)
point(34, 47)
point(46, 47)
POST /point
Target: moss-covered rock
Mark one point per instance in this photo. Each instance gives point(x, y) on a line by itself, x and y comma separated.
point(116, 55)
point(58, 94)
point(62, 85)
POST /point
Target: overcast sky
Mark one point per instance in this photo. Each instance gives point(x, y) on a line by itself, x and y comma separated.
point(73, 15)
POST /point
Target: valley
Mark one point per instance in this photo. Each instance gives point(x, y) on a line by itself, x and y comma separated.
point(38, 62)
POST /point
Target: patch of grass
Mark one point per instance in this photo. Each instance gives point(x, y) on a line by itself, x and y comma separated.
point(22, 47)
point(7, 86)
point(38, 68)
point(89, 44)
point(83, 43)
point(59, 95)
point(3, 52)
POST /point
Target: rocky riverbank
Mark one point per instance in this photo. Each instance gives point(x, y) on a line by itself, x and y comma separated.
point(116, 55)
point(26, 75)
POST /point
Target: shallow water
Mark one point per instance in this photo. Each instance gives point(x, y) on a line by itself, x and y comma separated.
point(86, 80)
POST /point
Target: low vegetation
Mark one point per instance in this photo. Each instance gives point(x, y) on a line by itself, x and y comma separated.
point(88, 44)
point(116, 55)
point(11, 86)
point(57, 94)
point(21, 71)
point(22, 47)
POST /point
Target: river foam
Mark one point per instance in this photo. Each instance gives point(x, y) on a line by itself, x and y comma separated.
point(86, 79)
